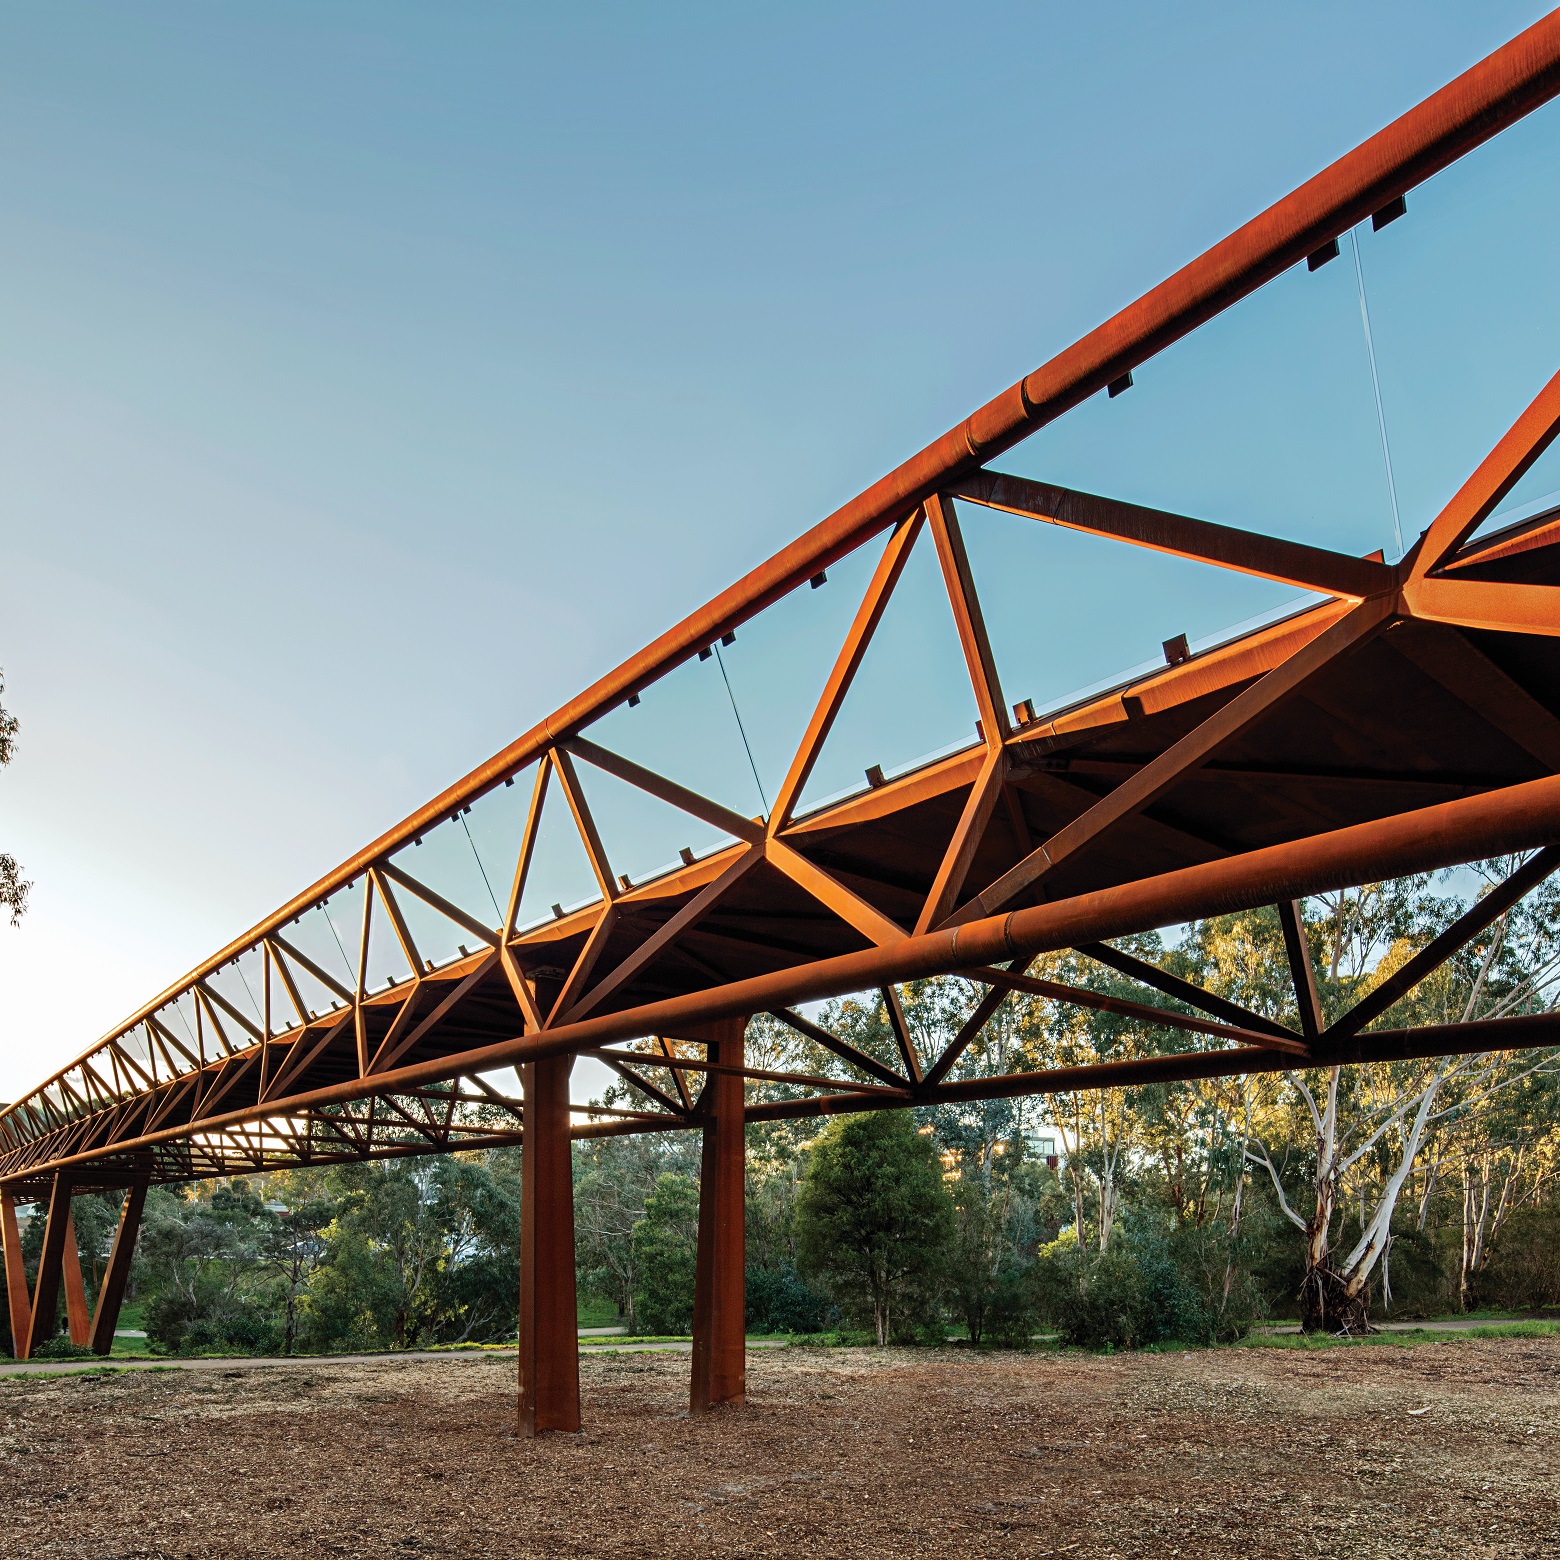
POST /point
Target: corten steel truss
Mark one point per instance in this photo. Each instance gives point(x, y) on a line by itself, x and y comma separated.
point(1406, 722)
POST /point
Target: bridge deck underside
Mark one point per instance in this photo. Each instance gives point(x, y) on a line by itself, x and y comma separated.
point(1416, 715)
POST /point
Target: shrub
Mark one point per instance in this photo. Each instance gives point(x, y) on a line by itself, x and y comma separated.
point(665, 1246)
point(1524, 1269)
point(1148, 1290)
point(61, 1348)
point(779, 1300)
point(1011, 1313)
point(874, 1222)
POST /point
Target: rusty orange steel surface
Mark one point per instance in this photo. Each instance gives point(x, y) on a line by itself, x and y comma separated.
point(1410, 720)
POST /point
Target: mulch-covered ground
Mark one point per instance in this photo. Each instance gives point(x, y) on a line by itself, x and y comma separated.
point(1450, 1448)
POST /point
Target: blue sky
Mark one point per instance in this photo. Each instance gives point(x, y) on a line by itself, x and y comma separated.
point(374, 376)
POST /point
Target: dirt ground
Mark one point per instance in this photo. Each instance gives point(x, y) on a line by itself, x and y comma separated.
point(1451, 1448)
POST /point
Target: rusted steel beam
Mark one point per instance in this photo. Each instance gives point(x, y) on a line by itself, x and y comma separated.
point(1477, 105)
point(78, 1320)
point(959, 581)
point(1522, 443)
point(680, 1082)
point(1302, 972)
point(1249, 552)
point(549, 1321)
point(46, 1287)
point(117, 1275)
point(719, 1294)
point(668, 791)
point(1143, 1012)
point(18, 1301)
point(841, 1048)
point(757, 1074)
point(979, 805)
point(900, 1026)
point(970, 1029)
point(1462, 931)
point(1502, 1034)
point(880, 588)
point(689, 915)
point(1515, 818)
point(1183, 990)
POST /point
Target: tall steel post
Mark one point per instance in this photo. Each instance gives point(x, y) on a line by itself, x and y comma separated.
point(78, 1319)
point(720, 1284)
point(18, 1300)
point(46, 1290)
point(549, 1320)
point(106, 1317)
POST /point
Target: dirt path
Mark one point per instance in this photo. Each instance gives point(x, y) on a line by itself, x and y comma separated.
point(1448, 1449)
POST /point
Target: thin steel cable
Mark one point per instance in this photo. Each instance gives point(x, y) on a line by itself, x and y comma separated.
point(1375, 384)
point(720, 661)
point(259, 1011)
point(480, 868)
point(340, 947)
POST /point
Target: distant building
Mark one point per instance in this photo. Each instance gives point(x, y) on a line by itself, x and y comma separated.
point(1042, 1145)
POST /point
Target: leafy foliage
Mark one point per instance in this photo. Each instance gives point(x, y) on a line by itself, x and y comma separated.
point(874, 1221)
point(665, 1245)
point(13, 888)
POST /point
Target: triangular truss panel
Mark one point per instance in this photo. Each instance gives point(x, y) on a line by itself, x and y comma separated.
point(1251, 594)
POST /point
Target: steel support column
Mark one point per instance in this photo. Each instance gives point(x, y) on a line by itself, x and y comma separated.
point(18, 1300)
point(112, 1293)
point(720, 1284)
point(549, 1320)
point(46, 1290)
point(78, 1320)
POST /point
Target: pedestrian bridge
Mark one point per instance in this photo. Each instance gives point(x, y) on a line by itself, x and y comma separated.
point(1387, 710)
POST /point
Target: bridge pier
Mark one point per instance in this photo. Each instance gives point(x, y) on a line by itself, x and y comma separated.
point(78, 1320)
point(106, 1317)
point(549, 1318)
point(18, 1301)
point(720, 1284)
point(57, 1230)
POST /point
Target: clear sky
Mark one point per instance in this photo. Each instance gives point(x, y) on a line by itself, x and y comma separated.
point(373, 376)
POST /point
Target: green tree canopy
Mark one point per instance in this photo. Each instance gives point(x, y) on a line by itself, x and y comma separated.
point(13, 891)
point(873, 1218)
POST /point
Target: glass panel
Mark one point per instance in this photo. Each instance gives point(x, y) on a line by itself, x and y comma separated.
point(328, 935)
point(387, 964)
point(1069, 614)
point(782, 658)
point(1263, 418)
point(180, 1020)
point(438, 938)
point(643, 835)
point(911, 699)
point(1536, 494)
point(560, 872)
point(1464, 310)
point(446, 859)
point(686, 727)
point(242, 984)
point(314, 995)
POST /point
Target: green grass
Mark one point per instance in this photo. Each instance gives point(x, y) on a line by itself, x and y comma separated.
point(617, 1341)
point(95, 1373)
point(594, 1311)
point(1407, 1339)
